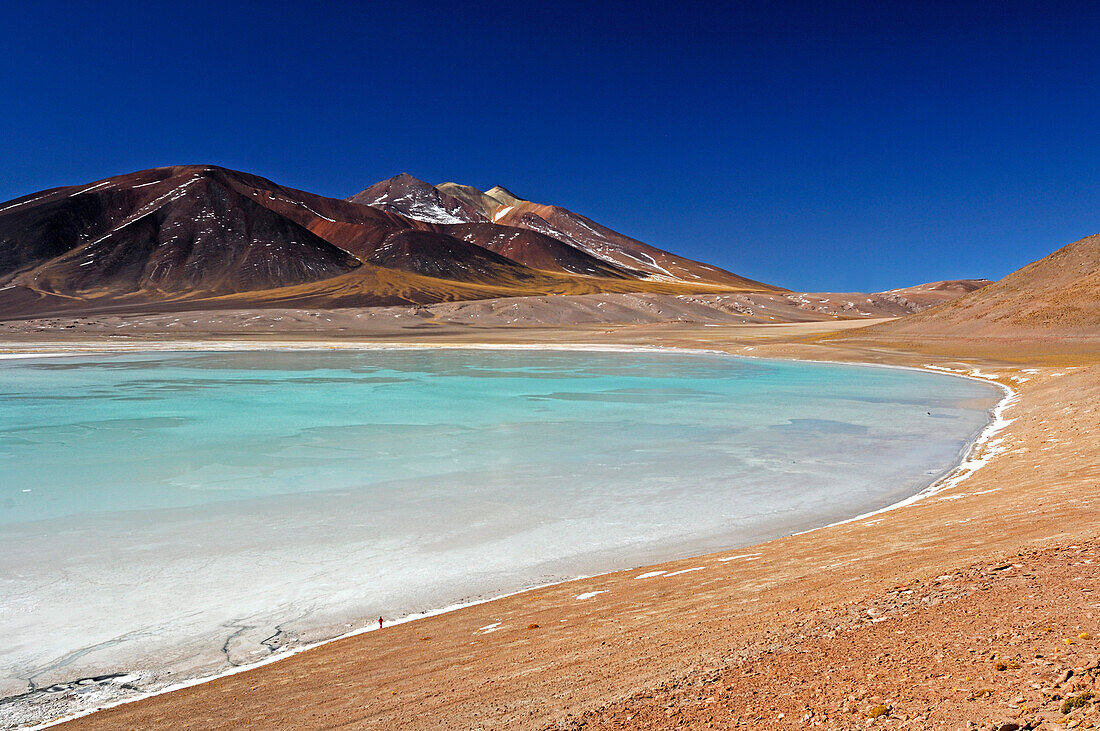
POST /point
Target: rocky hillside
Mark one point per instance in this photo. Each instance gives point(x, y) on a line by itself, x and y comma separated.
point(1058, 295)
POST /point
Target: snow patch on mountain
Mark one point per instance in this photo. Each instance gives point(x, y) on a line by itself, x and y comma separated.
point(421, 208)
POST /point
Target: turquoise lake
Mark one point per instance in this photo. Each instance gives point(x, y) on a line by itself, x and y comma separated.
point(169, 514)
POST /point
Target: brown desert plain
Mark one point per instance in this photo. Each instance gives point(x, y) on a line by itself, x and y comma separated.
point(977, 607)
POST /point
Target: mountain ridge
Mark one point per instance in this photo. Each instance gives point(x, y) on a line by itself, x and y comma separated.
point(611, 247)
point(204, 233)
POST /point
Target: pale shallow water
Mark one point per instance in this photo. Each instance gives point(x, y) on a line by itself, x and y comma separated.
point(181, 511)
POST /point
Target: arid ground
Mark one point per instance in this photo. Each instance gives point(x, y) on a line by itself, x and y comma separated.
point(978, 606)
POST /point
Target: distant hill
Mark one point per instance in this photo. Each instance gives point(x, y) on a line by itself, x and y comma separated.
point(204, 236)
point(1058, 295)
point(923, 296)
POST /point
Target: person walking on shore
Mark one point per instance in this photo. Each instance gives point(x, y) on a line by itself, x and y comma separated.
point(379, 623)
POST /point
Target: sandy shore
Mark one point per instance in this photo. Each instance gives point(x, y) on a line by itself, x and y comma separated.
point(913, 610)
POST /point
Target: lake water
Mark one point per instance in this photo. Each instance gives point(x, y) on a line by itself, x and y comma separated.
point(182, 511)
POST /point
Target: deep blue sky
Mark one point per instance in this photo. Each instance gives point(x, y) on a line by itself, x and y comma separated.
point(819, 146)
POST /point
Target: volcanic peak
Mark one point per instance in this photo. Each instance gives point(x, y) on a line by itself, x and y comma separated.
point(416, 199)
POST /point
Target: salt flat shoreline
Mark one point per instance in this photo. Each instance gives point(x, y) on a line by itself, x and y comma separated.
point(784, 350)
point(955, 473)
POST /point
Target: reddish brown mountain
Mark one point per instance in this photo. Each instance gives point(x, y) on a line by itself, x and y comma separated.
point(204, 236)
point(160, 233)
